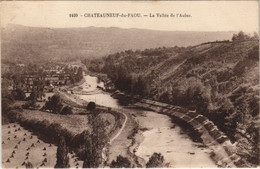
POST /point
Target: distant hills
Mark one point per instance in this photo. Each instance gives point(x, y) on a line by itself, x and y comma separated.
point(32, 44)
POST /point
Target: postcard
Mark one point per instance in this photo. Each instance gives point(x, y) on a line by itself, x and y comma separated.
point(129, 84)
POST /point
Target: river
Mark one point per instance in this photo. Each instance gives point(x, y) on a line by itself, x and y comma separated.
point(160, 134)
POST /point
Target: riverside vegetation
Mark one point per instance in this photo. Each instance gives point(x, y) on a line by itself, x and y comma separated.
point(219, 80)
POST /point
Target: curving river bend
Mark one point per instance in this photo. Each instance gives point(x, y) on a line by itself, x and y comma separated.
point(160, 134)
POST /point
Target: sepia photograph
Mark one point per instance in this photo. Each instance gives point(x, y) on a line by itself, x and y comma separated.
point(129, 84)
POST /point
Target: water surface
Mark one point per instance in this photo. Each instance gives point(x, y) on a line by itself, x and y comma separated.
point(176, 147)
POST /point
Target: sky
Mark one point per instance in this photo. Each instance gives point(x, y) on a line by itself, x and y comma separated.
point(205, 15)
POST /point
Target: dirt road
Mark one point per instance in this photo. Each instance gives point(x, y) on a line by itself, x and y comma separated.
point(121, 129)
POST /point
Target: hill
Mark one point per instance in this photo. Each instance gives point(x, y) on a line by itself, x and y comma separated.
point(217, 79)
point(31, 44)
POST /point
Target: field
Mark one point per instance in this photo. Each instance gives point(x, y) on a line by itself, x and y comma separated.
point(20, 146)
point(74, 124)
point(30, 144)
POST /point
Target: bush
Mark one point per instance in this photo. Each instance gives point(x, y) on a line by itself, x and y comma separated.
point(254, 53)
point(54, 104)
point(121, 162)
point(28, 105)
point(6, 105)
point(18, 94)
point(66, 110)
point(198, 96)
point(91, 106)
point(241, 36)
point(155, 161)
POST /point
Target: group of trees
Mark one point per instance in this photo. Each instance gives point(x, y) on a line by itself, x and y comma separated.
point(62, 154)
point(54, 105)
point(155, 161)
point(15, 77)
point(126, 68)
point(18, 76)
point(94, 141)
point(129, 83)
point(121, 162)
point(234, 115)
point(242, 36)
point(76, 73)
point(6, 101)
point(18, 94)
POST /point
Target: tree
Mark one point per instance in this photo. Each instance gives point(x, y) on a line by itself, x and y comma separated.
point(95, 141)
point(62, 155)
point(241, 36)
point(66, 110)
point(155, 161)
point(18, 94)
point(141, 87)
point(79, 74)
point(6, 102)
point(121, 162)
point(16, 80)
point(91, 106)
point(254, 53)
point(198, 96)
point(255, 36)
point(53, 104)
point(165, 97)
point(33, 97)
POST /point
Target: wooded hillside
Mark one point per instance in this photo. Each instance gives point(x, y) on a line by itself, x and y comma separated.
point(217, 79)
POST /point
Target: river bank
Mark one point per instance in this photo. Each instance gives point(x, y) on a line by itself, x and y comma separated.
point(153, 133)
point(170, 140)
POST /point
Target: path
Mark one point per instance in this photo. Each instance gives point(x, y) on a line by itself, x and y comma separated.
point(119, 144)
point(121, 129)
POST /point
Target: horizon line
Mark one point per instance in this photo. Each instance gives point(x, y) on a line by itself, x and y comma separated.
point(50, 27)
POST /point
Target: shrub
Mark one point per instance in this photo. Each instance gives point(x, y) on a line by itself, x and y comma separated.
point(13, 115)
point(121, 162)
point(254, 53)
point(66, 110)
point(155, 161)
point(241, 36)
point(28, 105)
point(18, 94)
point(53, 104)
point(33, 96)
point(198, 96)
point(91, 106)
